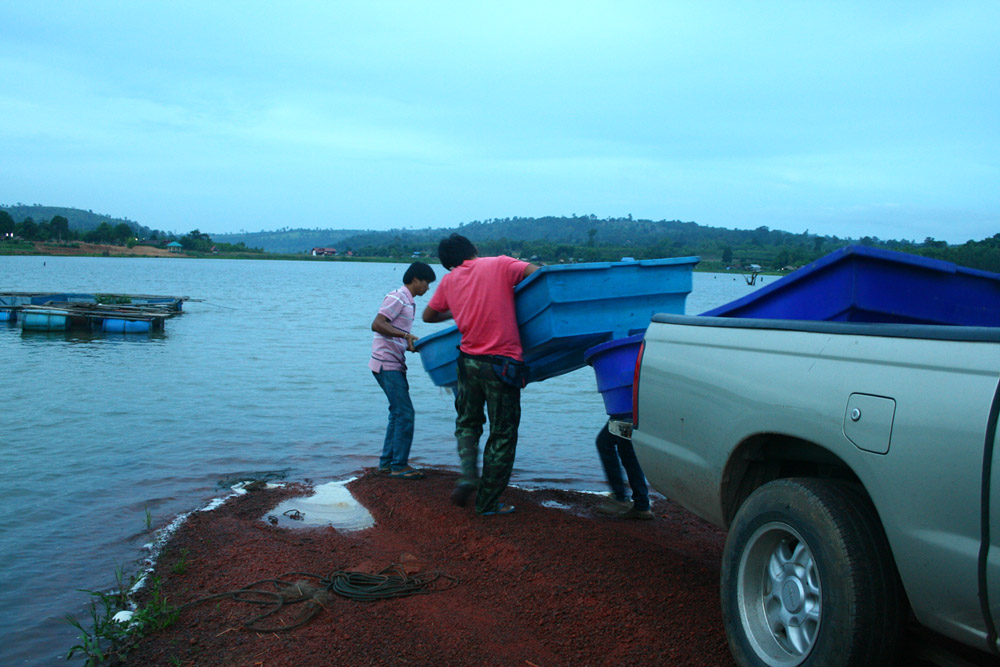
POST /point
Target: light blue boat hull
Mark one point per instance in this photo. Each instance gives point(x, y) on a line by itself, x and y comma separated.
point(564, 310)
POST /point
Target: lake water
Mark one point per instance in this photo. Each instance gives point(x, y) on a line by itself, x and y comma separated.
point(265, 374)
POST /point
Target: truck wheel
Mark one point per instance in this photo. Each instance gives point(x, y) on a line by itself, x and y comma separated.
point(808, 578)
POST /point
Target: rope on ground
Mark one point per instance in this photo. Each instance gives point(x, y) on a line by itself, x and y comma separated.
point(392, 582)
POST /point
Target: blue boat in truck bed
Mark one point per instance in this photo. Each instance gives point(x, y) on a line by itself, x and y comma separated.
point(853, 284)
point(863, 284)
point(565, 309)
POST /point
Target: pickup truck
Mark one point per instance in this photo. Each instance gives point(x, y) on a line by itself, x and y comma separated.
point(854, 467)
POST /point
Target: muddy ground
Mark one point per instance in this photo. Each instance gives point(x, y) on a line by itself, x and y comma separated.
point(553, 584)
point(543, 586)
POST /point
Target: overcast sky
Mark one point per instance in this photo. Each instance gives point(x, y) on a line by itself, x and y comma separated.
point(841, 118)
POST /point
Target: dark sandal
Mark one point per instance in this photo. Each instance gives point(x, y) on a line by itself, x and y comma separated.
point(501, 509)
point(406, 473)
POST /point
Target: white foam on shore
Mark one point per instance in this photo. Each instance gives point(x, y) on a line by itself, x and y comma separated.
point(330, 505)
point(160, 539)
point(163, 535)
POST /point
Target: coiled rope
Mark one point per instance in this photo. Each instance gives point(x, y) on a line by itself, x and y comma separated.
point(295, 587)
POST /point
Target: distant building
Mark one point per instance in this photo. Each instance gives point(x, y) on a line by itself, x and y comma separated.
point(174, 246)
point(324, 252)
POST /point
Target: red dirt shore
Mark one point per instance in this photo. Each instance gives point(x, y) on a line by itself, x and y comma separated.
point(81, 248)
point(545, 586)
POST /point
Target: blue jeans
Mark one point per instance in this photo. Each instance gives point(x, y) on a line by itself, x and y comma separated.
point(616, 452)
point(399, 432)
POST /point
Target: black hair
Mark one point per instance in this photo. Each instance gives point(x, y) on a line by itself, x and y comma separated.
point(454, 250)
point(419, 271)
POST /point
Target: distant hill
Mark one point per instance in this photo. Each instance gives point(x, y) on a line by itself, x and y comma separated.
point(588, 238)
point(289, 241)
point(79, 220)
point(581, 237)
point(558, 238)
point(574, 230)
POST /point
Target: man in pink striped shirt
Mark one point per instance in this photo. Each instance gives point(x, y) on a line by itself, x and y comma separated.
point(392, 326)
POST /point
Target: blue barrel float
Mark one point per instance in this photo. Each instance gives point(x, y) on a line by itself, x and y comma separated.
point(563, 310)
point(45, 321)
point(614, 366)
point(115, 325)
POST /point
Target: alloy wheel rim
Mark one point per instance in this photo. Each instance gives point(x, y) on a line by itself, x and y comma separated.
point(779, 595)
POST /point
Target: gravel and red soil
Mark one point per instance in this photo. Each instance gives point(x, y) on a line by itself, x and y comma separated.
point(552, 584)
point(81, 248)
point(544, 586)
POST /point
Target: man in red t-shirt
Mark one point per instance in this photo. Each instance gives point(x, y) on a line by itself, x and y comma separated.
point(478, 292)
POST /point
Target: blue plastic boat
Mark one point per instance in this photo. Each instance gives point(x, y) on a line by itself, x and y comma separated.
point(853, 284)
point(614, 366)
point(564, 310)
point(862, 284)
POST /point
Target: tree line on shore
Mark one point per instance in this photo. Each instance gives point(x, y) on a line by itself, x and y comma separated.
point(589, 239)
point(551, 239)
point(59, 230)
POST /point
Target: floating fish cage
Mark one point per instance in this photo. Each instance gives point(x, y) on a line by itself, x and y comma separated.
point(44, 318)
point(564, 310)
point(110, 313)
point(157, 302)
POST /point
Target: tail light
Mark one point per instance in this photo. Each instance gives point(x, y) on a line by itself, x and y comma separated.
point(635, 385)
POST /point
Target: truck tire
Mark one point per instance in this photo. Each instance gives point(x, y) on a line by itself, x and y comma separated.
point(808, 579)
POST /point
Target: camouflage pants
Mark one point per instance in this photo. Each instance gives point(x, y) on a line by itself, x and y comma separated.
point(479, 386)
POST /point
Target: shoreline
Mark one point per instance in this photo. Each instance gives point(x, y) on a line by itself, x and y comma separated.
point(555, 583)
point(102, 250)
point(552, 584)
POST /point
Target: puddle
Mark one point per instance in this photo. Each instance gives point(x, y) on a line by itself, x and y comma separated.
point(330, 505)
point(555, 504)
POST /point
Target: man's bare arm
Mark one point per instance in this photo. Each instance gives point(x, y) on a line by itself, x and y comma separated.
point(431, 315)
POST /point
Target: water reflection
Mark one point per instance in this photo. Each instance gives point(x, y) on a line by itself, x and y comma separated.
point(330, 505)
point(77, 337)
